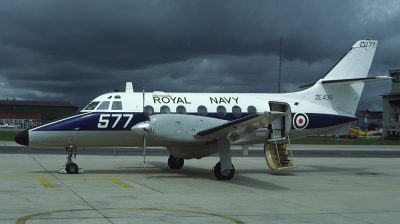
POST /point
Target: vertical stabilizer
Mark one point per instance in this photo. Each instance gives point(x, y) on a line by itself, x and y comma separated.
point(340, 89)
point(355, 63)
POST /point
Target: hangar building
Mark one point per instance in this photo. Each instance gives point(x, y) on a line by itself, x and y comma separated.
point(25, 114)
point(391, 108)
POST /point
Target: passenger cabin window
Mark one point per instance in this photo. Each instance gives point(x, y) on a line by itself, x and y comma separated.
point(116, 105)
point(104, 105)
point(165, 110)
point(221, 111)
point(180, 109)
point(91, 106)
point(251, 110)
point(148, 110)
point(202, 110)
point(236, 111)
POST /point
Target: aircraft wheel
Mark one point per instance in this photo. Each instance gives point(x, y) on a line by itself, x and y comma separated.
point(175, 163)
point(225, 175)
point(71, 168)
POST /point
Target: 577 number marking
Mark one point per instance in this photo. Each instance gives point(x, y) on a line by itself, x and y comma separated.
point(104, 120)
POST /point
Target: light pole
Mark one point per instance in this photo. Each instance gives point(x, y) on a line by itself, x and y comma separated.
point(280, 64)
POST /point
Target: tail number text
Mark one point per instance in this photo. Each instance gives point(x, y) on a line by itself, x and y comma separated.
point(367, 44)
point(323, 97)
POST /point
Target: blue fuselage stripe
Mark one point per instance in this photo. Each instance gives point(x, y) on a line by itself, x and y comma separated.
point(100, 121)
point(326, 120)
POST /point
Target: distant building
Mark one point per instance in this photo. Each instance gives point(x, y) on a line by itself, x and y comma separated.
point(368, 118)
point(391, 108)
point(27, 114)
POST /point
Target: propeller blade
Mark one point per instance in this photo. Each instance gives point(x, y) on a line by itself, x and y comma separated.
point(144, 152)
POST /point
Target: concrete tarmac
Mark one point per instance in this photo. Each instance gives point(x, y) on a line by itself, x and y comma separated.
point(118, 190)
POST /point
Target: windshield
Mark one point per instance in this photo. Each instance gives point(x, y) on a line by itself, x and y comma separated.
point(91, 106)
point(116, 105)
point(104, 105)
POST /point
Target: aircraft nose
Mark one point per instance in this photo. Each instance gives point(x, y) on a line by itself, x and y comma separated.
point(22, 138)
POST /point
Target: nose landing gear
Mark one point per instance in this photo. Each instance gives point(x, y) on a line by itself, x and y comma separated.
point(70, 167)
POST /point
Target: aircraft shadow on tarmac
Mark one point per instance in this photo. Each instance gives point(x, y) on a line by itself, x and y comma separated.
point(330, 169)
point(242, 177)
point(161, 170)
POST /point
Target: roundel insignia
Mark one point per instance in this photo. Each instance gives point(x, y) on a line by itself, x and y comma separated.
point(300, 121)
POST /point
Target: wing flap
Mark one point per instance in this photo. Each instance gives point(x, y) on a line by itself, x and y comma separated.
point(246, 124)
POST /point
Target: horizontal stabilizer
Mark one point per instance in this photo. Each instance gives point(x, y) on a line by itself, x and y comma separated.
point(349, 81)
point(241, 125)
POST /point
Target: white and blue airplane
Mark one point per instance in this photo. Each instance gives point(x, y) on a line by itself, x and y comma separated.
point(196, 125)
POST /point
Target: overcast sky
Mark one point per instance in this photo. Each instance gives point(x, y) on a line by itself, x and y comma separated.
point(77, 50)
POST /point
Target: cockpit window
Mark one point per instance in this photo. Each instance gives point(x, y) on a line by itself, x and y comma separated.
point(117, 97)
point(104, 105)
point(91, 106)
point(116, 105)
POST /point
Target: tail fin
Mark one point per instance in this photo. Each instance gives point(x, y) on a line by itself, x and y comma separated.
point(355, 63)
point(340, 89)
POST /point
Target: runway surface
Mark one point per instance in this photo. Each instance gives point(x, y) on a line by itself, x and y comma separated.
point(332, 184)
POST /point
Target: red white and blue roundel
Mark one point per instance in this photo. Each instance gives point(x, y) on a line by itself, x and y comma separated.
point(300, 121)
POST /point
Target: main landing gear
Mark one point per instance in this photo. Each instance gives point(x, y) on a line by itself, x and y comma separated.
point(224, 169)
point(175, 163)
point(223, 174)
point(70, 167)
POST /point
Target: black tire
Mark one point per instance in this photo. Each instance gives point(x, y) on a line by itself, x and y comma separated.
point(223, 176)
point(175, 163)
point(71, 168)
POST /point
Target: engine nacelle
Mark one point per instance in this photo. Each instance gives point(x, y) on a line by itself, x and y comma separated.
point(180, 127)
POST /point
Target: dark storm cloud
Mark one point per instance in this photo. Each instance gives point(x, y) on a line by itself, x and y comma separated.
point(76, 50)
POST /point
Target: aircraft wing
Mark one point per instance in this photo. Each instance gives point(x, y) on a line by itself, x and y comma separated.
point(242, 125)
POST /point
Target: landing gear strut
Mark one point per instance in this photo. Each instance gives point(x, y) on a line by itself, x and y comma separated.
point(70, 167)
point(224, 169)
point(175, 163)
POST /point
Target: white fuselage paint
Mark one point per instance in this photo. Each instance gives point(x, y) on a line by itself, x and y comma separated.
point(133, 104)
